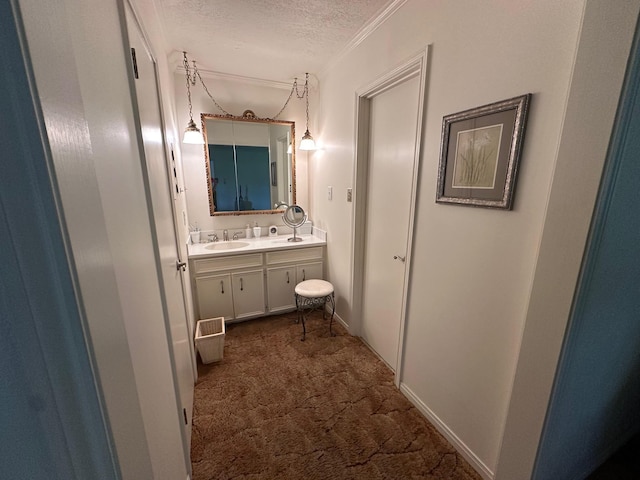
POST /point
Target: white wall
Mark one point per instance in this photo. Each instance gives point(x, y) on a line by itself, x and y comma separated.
point(605, 40)
point(235, 97)
point(472, 269)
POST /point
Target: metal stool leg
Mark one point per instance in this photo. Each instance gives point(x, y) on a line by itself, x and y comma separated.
point(333, 311)
point(300, 309)
point(314, 303)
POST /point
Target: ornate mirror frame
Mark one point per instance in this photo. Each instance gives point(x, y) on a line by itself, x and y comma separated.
point(247, 116)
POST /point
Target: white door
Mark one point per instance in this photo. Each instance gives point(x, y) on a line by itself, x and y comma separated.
point(158, 179)
point(392, 137)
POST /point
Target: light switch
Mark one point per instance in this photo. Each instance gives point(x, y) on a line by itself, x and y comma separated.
point(329, 193)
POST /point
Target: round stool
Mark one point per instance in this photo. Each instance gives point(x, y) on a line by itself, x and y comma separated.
point(313, 294)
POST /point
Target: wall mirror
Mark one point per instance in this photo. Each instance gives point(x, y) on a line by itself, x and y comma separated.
point(250, 163)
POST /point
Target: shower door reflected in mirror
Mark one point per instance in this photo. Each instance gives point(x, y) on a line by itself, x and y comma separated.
point(249, 164)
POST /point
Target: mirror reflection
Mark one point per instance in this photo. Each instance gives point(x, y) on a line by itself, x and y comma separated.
point(250, 165)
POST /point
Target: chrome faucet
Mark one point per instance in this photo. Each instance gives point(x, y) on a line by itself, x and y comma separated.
point(236, 235)
point(225, 235)
point(212, 237)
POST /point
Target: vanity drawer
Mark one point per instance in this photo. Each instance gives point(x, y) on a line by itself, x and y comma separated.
point(227, 263)
point(294, 255)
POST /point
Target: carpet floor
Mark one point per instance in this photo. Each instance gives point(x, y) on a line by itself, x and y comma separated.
point(325, 408)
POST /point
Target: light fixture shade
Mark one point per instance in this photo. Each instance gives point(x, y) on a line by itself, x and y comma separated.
point(307, 142)
point(192, 134)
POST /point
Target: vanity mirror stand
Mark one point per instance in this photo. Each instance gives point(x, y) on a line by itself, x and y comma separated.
point(294, 217)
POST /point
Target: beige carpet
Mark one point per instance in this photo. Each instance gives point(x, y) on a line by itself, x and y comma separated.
point(326, 408)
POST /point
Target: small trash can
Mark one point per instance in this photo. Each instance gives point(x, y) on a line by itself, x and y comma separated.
point(210, 339)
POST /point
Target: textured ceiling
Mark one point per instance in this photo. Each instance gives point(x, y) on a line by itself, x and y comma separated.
point(266, 39)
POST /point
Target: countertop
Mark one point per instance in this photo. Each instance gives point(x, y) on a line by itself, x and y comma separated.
point(262, 244)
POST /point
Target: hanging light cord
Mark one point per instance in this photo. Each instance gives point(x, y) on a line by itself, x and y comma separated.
point(188, 78)
point(294, 88)
point(306, 94)
point(197, 73)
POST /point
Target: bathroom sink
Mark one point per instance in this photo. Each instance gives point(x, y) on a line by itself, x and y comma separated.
point(226, 245)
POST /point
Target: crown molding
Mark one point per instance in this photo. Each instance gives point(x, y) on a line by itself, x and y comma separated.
point(229, 77)
point(366, 30)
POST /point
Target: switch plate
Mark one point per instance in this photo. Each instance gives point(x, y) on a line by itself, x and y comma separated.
point(349, 195)
point(329, 193)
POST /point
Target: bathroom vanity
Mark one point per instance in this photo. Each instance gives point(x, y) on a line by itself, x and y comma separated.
point(249, 278)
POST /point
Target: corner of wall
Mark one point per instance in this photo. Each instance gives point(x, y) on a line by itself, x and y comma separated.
point(601, 59)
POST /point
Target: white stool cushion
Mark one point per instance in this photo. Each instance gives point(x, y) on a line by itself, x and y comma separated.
point(314, 288)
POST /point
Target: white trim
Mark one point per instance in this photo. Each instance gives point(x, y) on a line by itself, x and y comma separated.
point(339, 319)
point(458, 444)
point(128, 31)
point(416, 65)
point(229, 77)
point(366, 30)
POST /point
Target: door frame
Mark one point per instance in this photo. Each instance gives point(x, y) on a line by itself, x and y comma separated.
point(128, 9)
point(168, 153)
point(412, 67)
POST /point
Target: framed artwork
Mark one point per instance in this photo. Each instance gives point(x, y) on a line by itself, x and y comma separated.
point(479, 154)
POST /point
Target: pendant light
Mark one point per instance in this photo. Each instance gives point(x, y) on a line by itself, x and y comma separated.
point(307, 142)
point(192, 133)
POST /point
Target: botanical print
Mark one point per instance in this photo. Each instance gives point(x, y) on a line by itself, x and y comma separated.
point(476, 158)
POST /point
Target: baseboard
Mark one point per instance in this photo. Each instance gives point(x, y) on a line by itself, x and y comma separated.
point(465, 451)
point(337, 318)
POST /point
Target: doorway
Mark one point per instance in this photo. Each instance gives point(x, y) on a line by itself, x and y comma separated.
point(389, 130)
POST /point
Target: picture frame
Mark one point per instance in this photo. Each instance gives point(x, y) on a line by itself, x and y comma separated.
point(480, 152)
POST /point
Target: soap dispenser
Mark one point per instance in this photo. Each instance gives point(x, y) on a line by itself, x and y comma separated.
point(247, 231)
point(257, 231)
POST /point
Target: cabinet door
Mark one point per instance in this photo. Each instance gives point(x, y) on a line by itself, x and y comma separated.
point(308, 271)
point(214, 296)
point(248, 293)
point(281, 284)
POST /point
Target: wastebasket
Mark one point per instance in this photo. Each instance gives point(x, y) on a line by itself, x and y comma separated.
point(210, 339)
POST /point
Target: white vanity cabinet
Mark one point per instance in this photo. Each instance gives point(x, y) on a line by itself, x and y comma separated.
point(242, 286)
point(215, 297)
point(308, 271)
point(248, 294)
point(281, 283)
point(231, 287)
point(285, 269)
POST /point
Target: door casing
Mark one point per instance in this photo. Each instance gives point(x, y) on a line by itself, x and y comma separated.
point(414, 66)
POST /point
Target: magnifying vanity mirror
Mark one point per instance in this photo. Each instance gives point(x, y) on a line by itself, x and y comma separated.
point(294, 217)
point(250, 163)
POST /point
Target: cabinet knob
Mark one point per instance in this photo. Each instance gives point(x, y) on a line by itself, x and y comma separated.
point(398, 257)
point(241, 284)
point(288, 278)
point(221, 286)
